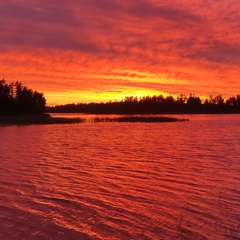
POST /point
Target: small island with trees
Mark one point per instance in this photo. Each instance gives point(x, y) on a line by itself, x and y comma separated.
point(20, 105)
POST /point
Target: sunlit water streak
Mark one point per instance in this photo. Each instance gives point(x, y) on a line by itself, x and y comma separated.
point(122, 180)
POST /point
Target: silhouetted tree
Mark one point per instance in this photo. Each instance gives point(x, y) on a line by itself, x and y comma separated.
point(6, 101)
point(18, 99)
point(193, 103)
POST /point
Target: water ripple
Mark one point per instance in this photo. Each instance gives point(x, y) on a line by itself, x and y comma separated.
point(121, 181)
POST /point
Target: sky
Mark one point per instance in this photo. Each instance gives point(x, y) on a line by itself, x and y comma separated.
point(101, 50)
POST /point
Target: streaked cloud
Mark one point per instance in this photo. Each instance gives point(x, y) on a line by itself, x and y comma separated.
point(110, 48)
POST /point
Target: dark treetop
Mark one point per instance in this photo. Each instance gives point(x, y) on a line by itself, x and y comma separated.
point(16, 99)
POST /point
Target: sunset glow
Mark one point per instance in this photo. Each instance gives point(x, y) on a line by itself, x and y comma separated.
point(102, 50)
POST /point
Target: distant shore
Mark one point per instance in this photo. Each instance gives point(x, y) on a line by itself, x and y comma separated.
point(183, 104)
point(47, 119)
point(36, 119)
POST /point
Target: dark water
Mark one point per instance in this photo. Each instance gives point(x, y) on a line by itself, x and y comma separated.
point(122, 180)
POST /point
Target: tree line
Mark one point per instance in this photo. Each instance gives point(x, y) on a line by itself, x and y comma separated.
point(16, 99)
point(156, 105)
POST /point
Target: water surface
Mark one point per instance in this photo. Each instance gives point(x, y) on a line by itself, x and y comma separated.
point(122, 180)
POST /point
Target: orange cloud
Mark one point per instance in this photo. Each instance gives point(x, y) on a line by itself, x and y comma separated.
point(84, 51)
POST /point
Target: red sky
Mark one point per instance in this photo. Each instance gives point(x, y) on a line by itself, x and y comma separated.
point(101, 50)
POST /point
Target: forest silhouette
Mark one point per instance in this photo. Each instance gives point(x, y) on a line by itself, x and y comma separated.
point(16, 99)
point(155, 105)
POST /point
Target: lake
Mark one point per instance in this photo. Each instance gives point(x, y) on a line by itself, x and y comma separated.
point(109, 180)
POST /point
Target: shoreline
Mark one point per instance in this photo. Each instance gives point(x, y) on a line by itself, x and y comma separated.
point(47, 120)
point(36, 119)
